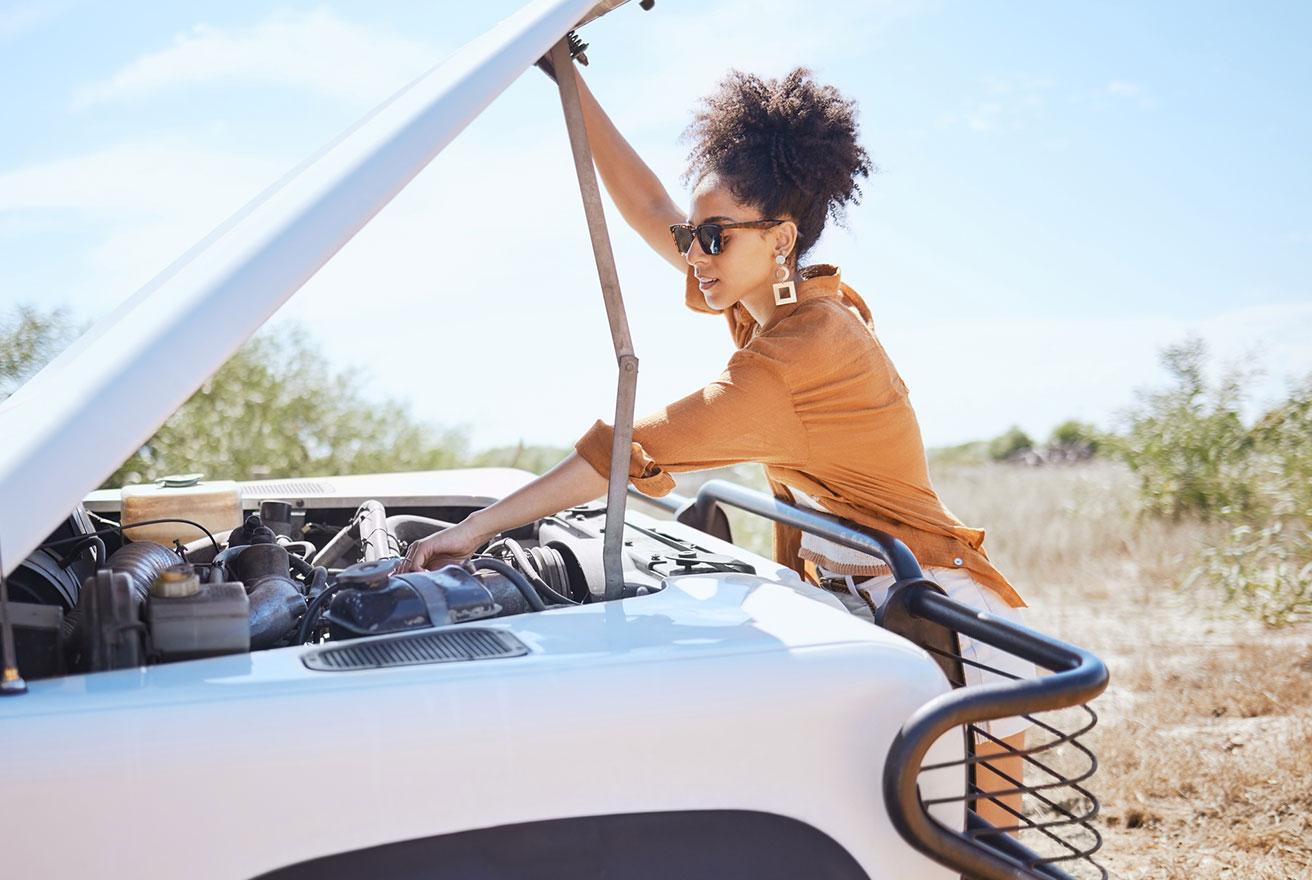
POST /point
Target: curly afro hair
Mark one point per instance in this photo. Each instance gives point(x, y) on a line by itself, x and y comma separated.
point(787, 146)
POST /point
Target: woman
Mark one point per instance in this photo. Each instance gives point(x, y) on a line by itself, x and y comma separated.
point(810, 392)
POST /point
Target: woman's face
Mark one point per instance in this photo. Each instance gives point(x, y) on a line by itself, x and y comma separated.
point(746, 262)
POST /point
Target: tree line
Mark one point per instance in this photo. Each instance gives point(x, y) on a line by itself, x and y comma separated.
point(276, 408)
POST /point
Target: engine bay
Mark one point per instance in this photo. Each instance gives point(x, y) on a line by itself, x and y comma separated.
point(91, 599)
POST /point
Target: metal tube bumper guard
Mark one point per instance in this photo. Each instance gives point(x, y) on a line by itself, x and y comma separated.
point(917, 609)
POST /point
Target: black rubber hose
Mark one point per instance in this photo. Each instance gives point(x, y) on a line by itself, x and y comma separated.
point(530, 572)
point(316, 605)
point(303, 566)
point(76, 551)
point(142, 562)
point(530, 595)
point(318, 581)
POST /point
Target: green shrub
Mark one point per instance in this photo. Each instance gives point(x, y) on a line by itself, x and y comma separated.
point(1187, 443)
point(1073, 433)
point(1195, 457)
point(974, 452)
point(1009, 443)
point(1265, 563)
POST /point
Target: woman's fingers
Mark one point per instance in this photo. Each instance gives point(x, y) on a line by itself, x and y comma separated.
point(433, 552)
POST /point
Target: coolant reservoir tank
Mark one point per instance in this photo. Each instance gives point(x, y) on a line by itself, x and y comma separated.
point(216, 505)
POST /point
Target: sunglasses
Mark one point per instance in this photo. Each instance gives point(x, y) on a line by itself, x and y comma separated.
point(711, 235)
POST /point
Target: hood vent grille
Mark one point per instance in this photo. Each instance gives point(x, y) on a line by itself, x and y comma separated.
point(295, 488)
point(417, 649)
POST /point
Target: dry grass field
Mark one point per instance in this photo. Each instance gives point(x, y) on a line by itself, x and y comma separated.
point(1205, 737)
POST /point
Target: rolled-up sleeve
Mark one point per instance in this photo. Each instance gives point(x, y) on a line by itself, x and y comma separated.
point(746, 414)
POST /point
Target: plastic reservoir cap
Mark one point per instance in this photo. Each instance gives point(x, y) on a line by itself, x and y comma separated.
point(368, 575)
point(176, 582)
point(179, 481)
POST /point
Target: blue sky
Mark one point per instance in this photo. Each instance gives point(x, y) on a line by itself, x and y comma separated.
point(1062, 190)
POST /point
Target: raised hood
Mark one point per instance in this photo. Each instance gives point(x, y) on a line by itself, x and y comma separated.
point(129, 372)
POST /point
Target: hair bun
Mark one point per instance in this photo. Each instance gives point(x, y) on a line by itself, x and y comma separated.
point(787, 145)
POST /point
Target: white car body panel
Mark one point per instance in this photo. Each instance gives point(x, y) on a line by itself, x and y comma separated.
point(458, 487)
point(659, 701)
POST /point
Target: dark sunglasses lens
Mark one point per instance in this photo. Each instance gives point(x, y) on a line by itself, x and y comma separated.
point(709, 236)
point(682, 238)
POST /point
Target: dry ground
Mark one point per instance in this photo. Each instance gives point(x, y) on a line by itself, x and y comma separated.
point(1205, 738)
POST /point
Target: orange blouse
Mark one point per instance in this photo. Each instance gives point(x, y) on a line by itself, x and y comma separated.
point(813, 396)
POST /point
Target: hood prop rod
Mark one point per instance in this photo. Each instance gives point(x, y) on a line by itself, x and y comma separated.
point(617, 491)
point(11, 683)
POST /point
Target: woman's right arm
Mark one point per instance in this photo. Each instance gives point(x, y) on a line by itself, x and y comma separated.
point(637, 192)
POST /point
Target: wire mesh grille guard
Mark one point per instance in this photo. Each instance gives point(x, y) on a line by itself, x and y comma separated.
point(1054, 835)
point(1055, 822)
point(1057, 809)
point(414, 649)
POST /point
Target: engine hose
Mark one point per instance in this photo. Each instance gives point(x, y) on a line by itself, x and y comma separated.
point(303, 549)
point(142, 562)
point(304, 567)
point(316, 605)
point(551, 566)
point(531, 572)
point(318, 582)
point(508, 571)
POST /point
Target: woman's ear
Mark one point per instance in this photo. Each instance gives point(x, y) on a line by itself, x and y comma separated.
point(785, 235)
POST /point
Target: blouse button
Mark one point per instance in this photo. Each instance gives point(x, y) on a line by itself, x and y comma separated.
point(957, 562)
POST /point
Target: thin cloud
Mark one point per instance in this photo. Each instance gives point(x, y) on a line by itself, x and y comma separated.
point(1007, 104)
point(19, 18)
point(1122, 88)
point(316, 51)
point(163, 176)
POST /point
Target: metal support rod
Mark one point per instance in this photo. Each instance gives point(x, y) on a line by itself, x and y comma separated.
point(627, 361)
point(11, 682)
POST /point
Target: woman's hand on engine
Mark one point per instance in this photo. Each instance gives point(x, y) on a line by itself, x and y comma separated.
point(568, 484)
point(448, 547)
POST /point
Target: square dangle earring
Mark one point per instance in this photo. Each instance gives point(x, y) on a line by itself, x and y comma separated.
point(784, 290)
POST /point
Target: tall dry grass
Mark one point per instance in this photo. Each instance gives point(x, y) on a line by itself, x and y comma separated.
point(1205, 739)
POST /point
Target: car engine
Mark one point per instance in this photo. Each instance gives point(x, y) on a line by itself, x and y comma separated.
point(90, 600)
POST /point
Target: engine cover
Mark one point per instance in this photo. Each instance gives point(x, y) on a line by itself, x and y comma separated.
point(404, 602)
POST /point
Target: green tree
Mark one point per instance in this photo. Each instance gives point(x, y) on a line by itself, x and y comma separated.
point(274, 409)
point(29, 339)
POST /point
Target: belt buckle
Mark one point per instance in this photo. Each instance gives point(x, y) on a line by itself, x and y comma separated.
point(834, 585)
